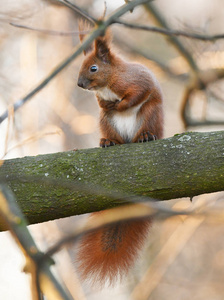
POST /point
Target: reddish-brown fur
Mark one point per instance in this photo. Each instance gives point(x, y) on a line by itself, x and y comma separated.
point(109, 253)
point(128, 95)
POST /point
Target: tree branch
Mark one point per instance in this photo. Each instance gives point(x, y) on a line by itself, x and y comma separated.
point(173, 32)
point(197, 78)
point(77, 9)
point(64, 184)
point(173, 39)
point(46, 31)
point(39, 268)
point(200, 82)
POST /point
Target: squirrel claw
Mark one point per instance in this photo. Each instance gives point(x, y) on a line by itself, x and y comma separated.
point(146, 137)
point(104, 143)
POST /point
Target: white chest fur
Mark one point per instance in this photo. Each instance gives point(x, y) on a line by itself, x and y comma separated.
point(107, 95)
point(126, 123)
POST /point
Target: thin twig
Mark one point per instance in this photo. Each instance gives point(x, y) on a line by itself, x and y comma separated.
point(11, 117)
point(78, 10)
point(105, 10)
point(47, 31)
point(30, 139)
point(172, 32)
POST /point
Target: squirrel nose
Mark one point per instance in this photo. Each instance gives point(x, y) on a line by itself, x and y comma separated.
point(80, 84)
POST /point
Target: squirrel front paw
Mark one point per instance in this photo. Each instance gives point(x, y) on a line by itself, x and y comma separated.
point(104, 143)
point(146, 137)
point(108, 105)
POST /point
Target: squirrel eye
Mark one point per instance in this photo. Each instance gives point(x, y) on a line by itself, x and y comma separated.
point(93, 68)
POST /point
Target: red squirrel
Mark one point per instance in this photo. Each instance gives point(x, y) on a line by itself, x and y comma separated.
point(131, 111)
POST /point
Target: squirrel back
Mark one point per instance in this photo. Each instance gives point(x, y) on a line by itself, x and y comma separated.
point(131, 110)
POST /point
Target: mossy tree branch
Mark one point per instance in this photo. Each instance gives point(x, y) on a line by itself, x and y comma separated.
point(63, 184)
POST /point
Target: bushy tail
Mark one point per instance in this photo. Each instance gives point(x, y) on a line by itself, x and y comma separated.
point(109, 253)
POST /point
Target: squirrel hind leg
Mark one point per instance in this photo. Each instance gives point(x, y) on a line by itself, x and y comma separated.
point(107, 254)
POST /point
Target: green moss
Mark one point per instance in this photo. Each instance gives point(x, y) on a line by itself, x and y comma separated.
point(63, 184)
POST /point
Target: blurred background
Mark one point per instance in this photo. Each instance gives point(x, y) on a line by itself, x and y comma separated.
point(184, 257)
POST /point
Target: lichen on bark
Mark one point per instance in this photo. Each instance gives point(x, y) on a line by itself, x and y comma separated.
point(75, 182)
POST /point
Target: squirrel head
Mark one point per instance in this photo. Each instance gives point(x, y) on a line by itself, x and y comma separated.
point(96, 68)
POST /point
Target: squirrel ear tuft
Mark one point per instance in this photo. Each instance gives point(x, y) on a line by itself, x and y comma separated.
point(84, 28)
point(102, 48)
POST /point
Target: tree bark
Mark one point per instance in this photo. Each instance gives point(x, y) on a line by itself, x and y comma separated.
point(59, 185)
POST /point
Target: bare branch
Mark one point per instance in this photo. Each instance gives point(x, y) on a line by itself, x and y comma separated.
point(116, 215)
point(46, 31)
point(199, 82)
point(105, 10)
point(78, 10)
point(173, 39)
point(172, 32)
point(40, 271)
